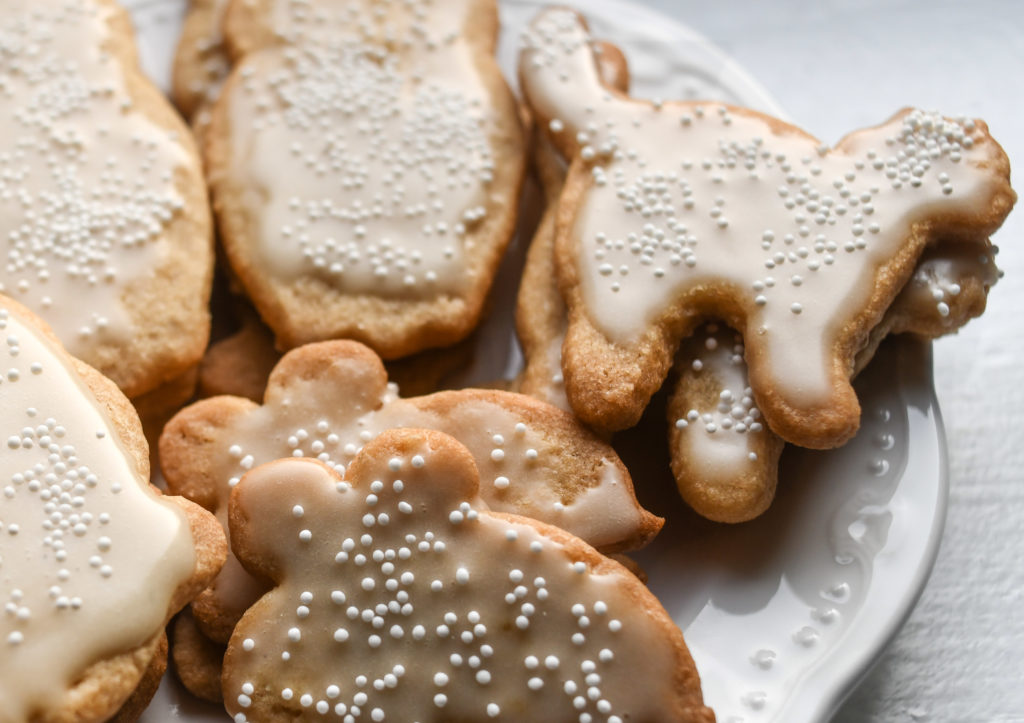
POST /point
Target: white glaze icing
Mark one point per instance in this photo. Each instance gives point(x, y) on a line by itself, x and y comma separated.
point(687, 194)
point(378, 120)
point(720, 441)
point(323, 417)
point(89, 555)
point(720, 437)
point(86, 180)
point(402, 598)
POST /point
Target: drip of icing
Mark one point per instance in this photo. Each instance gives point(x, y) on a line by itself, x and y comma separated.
point(89, 556)
point(86, 182)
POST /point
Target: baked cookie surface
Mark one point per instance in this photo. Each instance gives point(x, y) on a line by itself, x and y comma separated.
point(327, 400)
point(397, 595)
point(674, 212)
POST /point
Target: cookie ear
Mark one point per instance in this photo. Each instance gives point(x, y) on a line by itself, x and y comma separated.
point(265, 505)
point(430, 468)
point(339, 364)
point(560, 76)
point(474, 22)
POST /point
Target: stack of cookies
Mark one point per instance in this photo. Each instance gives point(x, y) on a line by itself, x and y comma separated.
point(780, 262)
point(344, 541)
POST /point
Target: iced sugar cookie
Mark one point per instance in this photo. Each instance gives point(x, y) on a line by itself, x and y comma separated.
point(399, 596)
point(327, 400)
point(724, 458)
point(93, 560)
point(365, 160)
point(673, 212)
point(201, 62)
point(102, 203)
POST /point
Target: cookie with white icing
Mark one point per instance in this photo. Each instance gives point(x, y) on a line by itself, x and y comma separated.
point(327, 400)
point(201, 62)
point(398, 595)
point(365, 161)
point(723, 456)
point(676, 211)
point(93, 560)
point(103, 207)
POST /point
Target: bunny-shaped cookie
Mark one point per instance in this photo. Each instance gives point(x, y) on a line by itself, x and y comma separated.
point(365, 160)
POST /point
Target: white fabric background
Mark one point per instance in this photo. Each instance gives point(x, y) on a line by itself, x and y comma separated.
point(837, 65)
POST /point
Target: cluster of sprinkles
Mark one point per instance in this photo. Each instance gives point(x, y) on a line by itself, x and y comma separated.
point(939, 276)
point(689, 194)
point(397, 607)
point(736, 411)
point(86, 181)
point(824, 203)
point(391, 162)
point(46, 475)
point(335, 438)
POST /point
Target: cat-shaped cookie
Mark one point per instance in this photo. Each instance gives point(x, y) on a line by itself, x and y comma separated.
point(675, 212)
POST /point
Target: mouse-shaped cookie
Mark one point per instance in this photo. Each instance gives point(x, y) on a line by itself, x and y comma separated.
point(399, 596)
point(327, 400)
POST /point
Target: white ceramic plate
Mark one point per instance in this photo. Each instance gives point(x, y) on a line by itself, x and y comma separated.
point(785, 614)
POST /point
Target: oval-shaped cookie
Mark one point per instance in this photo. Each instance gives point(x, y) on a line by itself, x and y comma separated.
point(365, 161)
